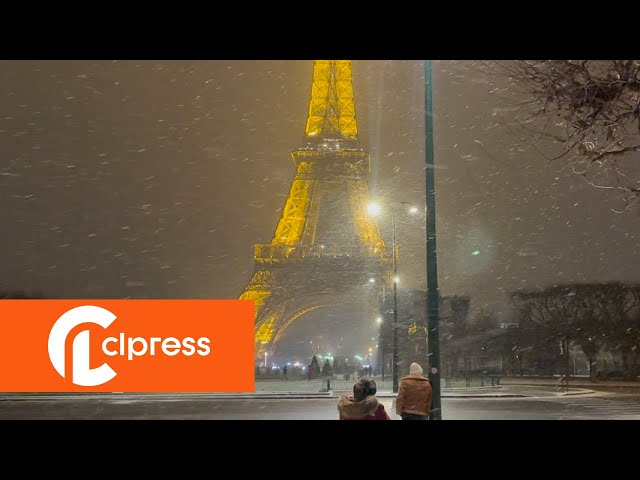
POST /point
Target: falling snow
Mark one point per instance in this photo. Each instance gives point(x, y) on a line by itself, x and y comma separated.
point(170, 172)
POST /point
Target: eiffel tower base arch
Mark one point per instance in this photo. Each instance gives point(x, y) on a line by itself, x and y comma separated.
point(288, 312)
point(354, 284)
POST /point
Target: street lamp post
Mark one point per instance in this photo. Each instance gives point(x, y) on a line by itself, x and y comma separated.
point(380, 367)
point(375, 209)
point(395, 306)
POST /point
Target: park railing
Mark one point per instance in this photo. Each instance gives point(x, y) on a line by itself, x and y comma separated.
point(344, 384)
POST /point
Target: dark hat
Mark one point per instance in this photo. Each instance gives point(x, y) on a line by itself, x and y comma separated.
point(364, 388)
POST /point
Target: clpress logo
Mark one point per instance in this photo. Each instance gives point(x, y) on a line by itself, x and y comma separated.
point(82, 374)
point(85, 376)
point(128, 345)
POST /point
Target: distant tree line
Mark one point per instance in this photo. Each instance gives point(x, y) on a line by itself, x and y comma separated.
point(469, 344)
point(20, 294)
point(602, 320)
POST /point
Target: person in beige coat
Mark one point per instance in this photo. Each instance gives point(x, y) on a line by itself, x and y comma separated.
point(414, 395)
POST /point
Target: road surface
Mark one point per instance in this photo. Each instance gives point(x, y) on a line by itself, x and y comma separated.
point(206, 407)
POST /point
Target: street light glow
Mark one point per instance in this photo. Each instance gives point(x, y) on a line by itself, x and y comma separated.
point(372, 280)
point(379, 320)
point(374, 209)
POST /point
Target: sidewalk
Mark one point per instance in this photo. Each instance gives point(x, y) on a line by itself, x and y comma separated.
point(386, 396)
point(512, 390)
point(579, 382)
point(510, 387)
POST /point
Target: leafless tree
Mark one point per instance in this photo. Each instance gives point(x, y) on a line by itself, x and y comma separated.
point(622, 311)
point(604, 316)
point(591, 109)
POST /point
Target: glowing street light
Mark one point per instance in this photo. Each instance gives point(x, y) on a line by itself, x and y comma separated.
point(375, 210)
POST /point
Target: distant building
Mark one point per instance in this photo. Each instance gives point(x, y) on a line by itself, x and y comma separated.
point(412, 327)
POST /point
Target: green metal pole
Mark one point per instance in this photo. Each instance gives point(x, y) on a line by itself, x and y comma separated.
point(396, 373)
point(432, 253)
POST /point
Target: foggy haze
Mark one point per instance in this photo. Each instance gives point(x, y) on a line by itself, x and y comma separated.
point(154, 179)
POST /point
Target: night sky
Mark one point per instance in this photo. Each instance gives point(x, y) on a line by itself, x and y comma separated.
point(154, 179)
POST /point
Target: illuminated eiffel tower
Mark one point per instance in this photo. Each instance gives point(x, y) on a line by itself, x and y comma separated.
point(326, 248)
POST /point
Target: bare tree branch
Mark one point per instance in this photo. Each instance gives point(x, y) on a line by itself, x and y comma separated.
point(591, 105)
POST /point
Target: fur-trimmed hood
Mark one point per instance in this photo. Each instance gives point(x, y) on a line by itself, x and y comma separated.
point(349, 408)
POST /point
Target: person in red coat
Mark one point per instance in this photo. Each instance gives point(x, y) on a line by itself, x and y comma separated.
point(363, 405)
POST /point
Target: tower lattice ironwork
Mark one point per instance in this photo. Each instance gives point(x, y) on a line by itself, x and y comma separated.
point(325, 245)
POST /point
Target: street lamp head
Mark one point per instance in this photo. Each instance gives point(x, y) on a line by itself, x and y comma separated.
point(379, 320)
point(411, 208)
point(374, 209)
point(372, 280)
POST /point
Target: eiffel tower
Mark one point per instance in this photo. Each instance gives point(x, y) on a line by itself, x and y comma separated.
point(326, 246)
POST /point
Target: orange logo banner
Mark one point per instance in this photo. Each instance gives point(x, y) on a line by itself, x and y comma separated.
point(127, 346)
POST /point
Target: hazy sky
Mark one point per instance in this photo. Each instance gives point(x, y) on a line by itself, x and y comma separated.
point(153, 179)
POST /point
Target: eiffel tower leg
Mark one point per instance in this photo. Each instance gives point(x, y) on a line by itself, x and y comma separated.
point(273, 314)
point(259, 290)
point(267, 327)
